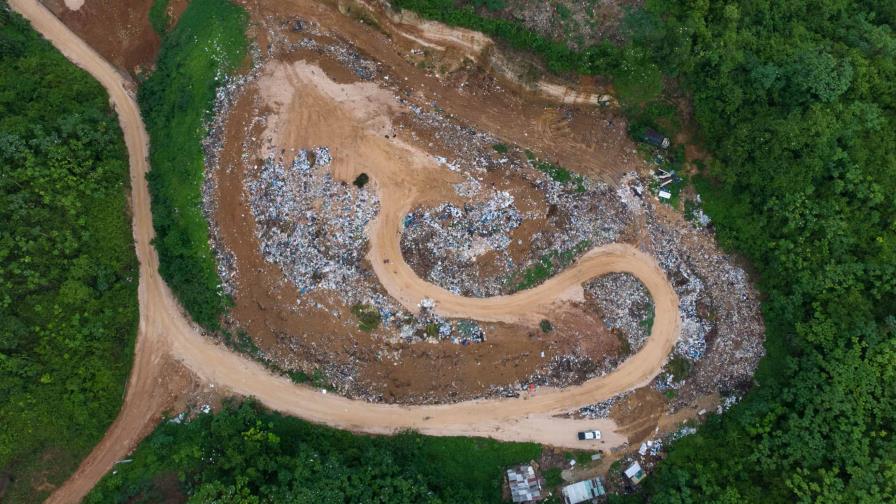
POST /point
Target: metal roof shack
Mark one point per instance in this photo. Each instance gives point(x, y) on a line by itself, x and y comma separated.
point(655, 138)
point(635, 473)
point(583, 491)
point(525, 485)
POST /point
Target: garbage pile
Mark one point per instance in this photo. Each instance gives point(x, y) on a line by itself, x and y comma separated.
point(311, 225)
point(601, 409)
point(722, 330)
point(624, 305)
point(454, 237)
point(443, 244)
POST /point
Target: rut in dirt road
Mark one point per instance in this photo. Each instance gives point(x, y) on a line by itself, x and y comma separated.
point(164, 329)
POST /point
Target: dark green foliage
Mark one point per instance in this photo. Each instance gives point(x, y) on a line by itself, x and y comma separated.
point(491, 5)
point(552, 477)
point(68, 274)
point(795, 100)
point(500, 148)
point(207, 42)
point(361, 180)
point(368, 317)
point(158, 16)
point(245, 454)
point(546, 326)
point(679, 367)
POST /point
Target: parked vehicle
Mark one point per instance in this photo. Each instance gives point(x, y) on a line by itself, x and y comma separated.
point(589, 435)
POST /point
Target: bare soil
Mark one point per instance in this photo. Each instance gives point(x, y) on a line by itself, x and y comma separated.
point(118, 30)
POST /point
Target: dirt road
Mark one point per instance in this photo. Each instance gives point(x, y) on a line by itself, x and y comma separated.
point(164, 330)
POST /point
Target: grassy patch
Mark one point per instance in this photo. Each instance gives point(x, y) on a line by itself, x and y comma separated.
point(546, 326)
point(68, 273)
point(369, 317)
point(647, 323)
point(552, 477)
point(635, 76)
point(547, 266)
point(500, 148)
point(207, 42)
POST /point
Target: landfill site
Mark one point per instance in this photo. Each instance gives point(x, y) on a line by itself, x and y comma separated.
point(362, 150)
point(420, 232)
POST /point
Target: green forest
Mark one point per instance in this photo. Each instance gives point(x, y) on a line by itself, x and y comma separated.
point(68, 273)
point(246, 454)
point(796, 101)
point(207, 44)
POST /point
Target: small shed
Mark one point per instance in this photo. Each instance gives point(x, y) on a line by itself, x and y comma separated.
point(635, 473)
point(525, 485)
point(583, 491)
point(655, 138)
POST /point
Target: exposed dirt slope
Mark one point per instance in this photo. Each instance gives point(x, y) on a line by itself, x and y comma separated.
point(164, 329)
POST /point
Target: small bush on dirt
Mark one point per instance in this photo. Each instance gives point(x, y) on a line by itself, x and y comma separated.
point(679, 367)
point(546, 326)
point(368, 316)
point(361, 180)
point(500, 148)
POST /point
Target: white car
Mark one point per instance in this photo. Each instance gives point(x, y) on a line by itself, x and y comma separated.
point(589, 435)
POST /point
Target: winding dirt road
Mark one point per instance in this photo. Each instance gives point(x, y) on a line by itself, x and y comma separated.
point(164, 330)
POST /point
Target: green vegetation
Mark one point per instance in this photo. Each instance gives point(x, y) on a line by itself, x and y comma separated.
point(245, 454)
point(68, 274)
point(207, 42)
point(796, 104)
point(647, 323)
point(158, 16)
point(546, 326)
point(361, 180)
point(546, 266)
point(679, 367)
point(581, 457)
point(552, 477)
point(500, 148)
point(369, 317)
point(556, 172)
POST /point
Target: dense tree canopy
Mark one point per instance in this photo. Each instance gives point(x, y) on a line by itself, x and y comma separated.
point(68, 274)
point(245, 454)
point(795, 100)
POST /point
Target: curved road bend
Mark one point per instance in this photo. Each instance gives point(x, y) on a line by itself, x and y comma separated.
point(164, 329)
